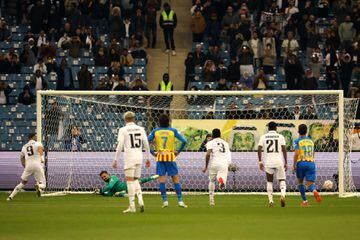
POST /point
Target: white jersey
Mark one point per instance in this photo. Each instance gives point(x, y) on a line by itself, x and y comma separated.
point(31, 152)
point(132, 140)
point(271, 143)
point(221, 155)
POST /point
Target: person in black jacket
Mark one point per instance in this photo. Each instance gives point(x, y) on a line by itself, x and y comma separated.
point(26, 97)
point(308, 82)
point(293, 72)
point(346, 68)
point(64, 77)
point(168, 22)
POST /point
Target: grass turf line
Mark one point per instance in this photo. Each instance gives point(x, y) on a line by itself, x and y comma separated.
point(233, 217)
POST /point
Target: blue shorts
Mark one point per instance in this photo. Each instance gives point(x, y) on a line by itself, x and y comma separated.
point(306, 170)
point(169, 168)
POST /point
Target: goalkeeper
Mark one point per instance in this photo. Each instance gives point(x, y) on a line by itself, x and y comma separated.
point(114, 187)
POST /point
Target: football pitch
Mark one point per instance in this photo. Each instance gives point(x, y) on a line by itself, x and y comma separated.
point(233, 217)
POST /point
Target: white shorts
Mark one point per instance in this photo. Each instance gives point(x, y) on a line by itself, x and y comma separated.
point(216, 172)
point(133, 171)
point(36, 170)
point(279, 172)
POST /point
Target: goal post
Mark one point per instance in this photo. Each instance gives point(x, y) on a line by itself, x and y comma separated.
point(79, 132)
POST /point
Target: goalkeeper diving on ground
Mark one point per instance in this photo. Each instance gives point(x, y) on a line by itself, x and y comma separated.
point(114, 187)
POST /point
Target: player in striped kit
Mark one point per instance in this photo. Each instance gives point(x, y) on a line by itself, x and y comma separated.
point(164, 138)
point(32, 159)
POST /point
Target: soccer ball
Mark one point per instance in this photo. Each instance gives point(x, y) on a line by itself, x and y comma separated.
point(328, 185)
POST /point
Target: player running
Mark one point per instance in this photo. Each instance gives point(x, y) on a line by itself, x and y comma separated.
point(164, 138)
point(132, 140)
point(275, 156)
point(32, 159)
point(219, 152)
point(304, 165)
point(114, 187)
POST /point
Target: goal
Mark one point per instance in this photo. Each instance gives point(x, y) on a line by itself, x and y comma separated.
point(79, 132)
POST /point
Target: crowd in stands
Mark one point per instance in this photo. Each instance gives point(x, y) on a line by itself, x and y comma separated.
point(314, 44)
point(110, 34)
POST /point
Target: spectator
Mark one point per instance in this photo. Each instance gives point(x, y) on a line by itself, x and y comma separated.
point(12, 63)
point(213, 29)
point(199, 56)
point(312, 36)
point(309, 114)
point(126, 31)
point(115, 23)
point(232, 111)
point(168, 22)
point(246, 58)
point(74, 47)
point(230, 18)
point(152, 6)
point(198, 26)
point(290, 11)
point(222, 85)
point(308, 82)
point(246, 80)
point(268, 59)
point(293, 72)
point(137, 51)
point(333, 81)
point(196, 7)
point(41, 39)
point(101, 58)
point(115, 69)
point(5, 33)
point(53, 117)
point(5, 91)
point(65, 79)
point(166, 84)
point(37, 17)
point(37, 81)
point(27, 57)
point(315, 65)
point(126, 59)
point(209, 115)
point(64, 42)
point(347, 32)
point(189, 69)
point(209, 71)
point(51, 65)
point(26, 97)
point(102, 86)
point(203, 144)
point(261, 81)
point(346, 69)
point(289, 45)
point(85, 78)
point(114, 56)
point(255, 46)
point(139, 85)
point(234, 71)
point(74, 140)
point(85, 7)
point(121, 86)
point(214, 54)
point(193, 99)
point(40, 65)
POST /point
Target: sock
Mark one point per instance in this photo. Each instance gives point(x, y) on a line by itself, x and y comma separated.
point(302, 191)
point(131, 193)
point(42, 185)
point(138, 193)
point(145, 180)
point(282, 188)
point(312, 188)
point(16, 190)
point(177, 187)
point(269, 188)
point(211, 189)
point(163, 191)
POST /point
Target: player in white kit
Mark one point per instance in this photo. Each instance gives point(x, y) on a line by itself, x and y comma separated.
point(274, 147)
point(32, 159)
point(218, 158)
point(132, 139)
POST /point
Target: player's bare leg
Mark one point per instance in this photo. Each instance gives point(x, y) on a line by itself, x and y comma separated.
point(16, 190)
point(269, 188)
point(312, 188)
point(177, 187)
point(302, 190)
point(282, 184)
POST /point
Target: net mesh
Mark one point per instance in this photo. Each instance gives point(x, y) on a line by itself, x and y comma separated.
point(80, 132)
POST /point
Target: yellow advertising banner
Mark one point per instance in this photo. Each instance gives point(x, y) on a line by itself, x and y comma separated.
point(243, 135)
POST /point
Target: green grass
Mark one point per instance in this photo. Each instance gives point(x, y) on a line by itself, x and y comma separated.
point(233, 217)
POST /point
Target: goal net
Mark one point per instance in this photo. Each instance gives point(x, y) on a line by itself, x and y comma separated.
point(79, 133)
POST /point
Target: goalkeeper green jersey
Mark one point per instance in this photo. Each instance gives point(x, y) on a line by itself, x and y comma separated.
point(114, 185)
